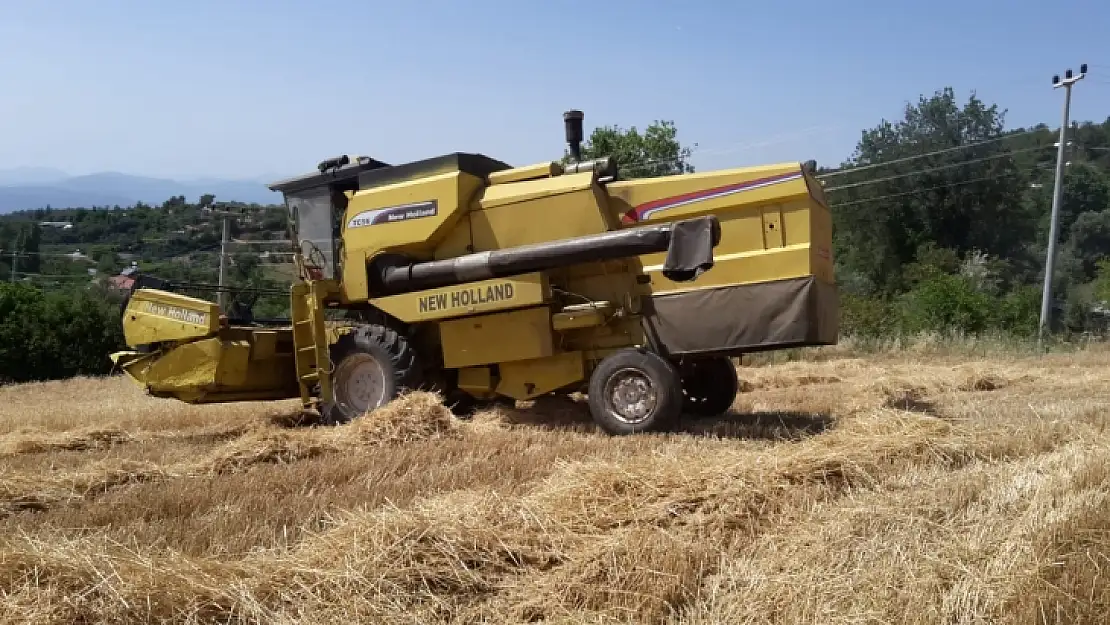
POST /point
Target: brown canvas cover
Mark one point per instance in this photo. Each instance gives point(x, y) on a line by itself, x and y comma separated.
point(732, 320)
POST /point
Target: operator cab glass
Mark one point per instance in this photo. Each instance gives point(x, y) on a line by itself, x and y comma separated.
point(316, 204)
point(312, 215)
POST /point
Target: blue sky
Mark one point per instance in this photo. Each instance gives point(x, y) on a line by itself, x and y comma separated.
point(250, 88)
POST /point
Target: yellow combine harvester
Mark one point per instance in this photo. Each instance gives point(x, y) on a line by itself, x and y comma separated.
point(485, 281)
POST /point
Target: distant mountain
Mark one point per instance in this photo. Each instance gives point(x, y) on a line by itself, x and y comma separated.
point(34, 187)
point(31, 175)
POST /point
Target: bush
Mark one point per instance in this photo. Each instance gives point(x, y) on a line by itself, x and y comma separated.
point(946, 304)
point(863, 316)
point(46, 336)
point(942, 304)
point(1019, 313)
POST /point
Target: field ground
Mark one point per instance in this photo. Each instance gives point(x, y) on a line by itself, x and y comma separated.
point(854, 489)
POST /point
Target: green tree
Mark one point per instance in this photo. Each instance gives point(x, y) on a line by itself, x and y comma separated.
point(27, 243)
point(106, 263)
point(1086, 189)
point(960, 198)
point(655, 152)
point(1088, 242)
point(1101, 284)
point(56, 335)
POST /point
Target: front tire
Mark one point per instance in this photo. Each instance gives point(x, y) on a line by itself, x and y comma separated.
point(634, 390)
point(372, 365)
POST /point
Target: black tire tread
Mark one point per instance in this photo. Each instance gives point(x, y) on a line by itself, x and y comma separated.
point(403, 355)
point(404, 360)
point(718, 397)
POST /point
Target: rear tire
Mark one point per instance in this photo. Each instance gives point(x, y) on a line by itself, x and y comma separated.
point(372, 365)
point(634, 390)
point(709, 386)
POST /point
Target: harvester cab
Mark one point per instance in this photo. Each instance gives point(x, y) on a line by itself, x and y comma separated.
point(484, 281)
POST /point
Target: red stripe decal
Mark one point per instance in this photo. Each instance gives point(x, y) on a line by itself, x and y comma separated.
point(637, 213)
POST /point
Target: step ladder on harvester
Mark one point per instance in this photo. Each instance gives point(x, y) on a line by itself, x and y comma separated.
point(313, 359)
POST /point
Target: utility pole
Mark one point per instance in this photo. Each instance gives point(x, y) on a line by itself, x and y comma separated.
point(1057, 199)
point(15, 256)
point(225, 238)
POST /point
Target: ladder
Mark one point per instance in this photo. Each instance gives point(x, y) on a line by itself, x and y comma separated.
point(313, 361)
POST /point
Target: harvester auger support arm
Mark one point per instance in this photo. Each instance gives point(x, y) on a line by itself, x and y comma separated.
point(689, 245)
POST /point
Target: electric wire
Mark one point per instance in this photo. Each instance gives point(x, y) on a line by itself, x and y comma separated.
point(728, 148)
point(935, 169)
point(53, 276)
point(697, 150)
point(916, 191)
point(906, 159)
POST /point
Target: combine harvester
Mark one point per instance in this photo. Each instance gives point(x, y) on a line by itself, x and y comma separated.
point(484, 282)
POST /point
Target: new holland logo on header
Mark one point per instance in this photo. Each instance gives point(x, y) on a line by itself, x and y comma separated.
point(391, 214)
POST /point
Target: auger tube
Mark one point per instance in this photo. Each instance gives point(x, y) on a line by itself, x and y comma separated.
point(396, 276)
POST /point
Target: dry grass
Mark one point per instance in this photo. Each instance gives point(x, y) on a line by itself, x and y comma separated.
point(921, 487)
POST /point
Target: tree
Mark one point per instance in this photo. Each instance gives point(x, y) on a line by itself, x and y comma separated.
point(655, 152)
point(1088, 243)
point(47, 336)
point(1086, 189)
point(29, 240)
point(964, 199)
point(106, 263)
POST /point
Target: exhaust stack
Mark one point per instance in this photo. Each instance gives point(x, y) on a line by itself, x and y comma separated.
point(572, 120)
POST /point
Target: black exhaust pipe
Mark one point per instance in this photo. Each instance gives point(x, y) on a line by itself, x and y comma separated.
point(572, 122)
point(689, 245)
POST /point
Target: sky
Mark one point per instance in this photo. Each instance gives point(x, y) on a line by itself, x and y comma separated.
point(263, 89)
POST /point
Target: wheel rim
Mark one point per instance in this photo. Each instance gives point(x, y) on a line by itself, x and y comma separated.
point(359, 384)
point(630, 396)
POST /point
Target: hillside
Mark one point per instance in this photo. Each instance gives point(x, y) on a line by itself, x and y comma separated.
point(177, 240)
point(916, 488)
point(32, 188)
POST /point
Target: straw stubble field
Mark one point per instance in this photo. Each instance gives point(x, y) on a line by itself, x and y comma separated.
point(896, 488)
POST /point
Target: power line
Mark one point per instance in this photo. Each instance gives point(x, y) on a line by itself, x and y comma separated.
point(39, 254)
point(698, 151)
point(728, 148)
point(935, 169)
point(69, 276)
point(852, 170)
point(916, 191)
point(202, 250)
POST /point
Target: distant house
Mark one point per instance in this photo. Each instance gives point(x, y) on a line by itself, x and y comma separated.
point(121, 283)
point(125, 280)
point(64, 225)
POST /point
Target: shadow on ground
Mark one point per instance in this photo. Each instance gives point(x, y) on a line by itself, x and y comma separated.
point(296, 419)
point(567, 414)
point(912, 401)
point(571, 414)
point(770, 425)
